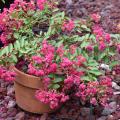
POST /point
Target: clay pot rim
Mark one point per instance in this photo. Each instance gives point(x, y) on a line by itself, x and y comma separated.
point(32, 76)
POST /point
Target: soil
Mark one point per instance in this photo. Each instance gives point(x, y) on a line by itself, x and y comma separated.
point(108, 9)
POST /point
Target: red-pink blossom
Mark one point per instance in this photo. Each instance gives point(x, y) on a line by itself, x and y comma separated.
point(37, 59)
point(102, 45)
point(89, 48)
point(96, 17)
point(40, 4)
point(93, 101)
point(68, 26)
point(107, 37)
point(66, 62)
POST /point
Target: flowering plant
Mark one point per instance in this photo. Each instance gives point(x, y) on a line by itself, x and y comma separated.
point(66, 54)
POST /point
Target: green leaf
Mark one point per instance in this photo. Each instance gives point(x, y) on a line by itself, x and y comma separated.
point(102, 55)
point(14, 58)
point(113, 63)
point(16, 35)
point(3, 1)
point(92, 63)
point(58, 79)
point(84, 44)
point(10, 47)
point(54, 86)
point(59, 43)
point(95, 72)
point(17, 45)
point(86, 28)
point(85, 78)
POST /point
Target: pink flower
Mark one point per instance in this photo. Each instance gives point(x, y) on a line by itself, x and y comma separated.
point(49, 57)
point(72, 49)
point(68, 26)
point(82, 86)
point(93, 101)
point(40, 4)
point(66, 62)
point(60, 51)
point(46, 81)
point(31, 69)
point(52, 98)
point(80, 60)
point(39, 73)
point(102, 46)
point(118, 48)
point(107, 37)
point(53, 68)
point(97, 30)
point(106, 81)
point(7, 75)
point(96, 17)
point(37, 59)
point(69, 80)
point(89, 48)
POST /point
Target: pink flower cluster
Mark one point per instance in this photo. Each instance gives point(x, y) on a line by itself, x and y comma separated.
point(96, 17)
point(6, 21)
point(68, 26)
point(7, 75)
point(52, 98)
point(40, 4)
point(102, 38)
point(95, 92)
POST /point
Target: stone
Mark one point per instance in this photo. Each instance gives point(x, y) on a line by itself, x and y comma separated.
point(11, 112)
point(20, 116)
point(116, 93)
point(102, 118)
point(85, 111)
point(110, 117)
point(10, 90)
point(44, 116)
point(115, 86)
point(11, 104)
point(110, 109)
point(10, 118)
point(104, 66)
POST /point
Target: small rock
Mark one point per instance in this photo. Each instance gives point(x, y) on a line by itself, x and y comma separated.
point(7, 98)
point(20, 116)
point(44, 116)
point(102, 118)
point(85, 111)
point(10, 90)
point(116, 93)
point(115, 86)
point(11, 112)
point(110, 117)
point(104, 66)
point(108, 110)
point(10, 118)
point(11, 104)
point(69, 2)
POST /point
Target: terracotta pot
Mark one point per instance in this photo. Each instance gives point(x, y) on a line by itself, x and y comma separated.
point(25, 88)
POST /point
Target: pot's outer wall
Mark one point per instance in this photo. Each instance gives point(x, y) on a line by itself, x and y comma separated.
point(25, 88)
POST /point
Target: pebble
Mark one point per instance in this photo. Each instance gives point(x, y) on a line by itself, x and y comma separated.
point(20, 116)
point(85, 111)
point(10, 90)
point(110, 117)
point(116, 93)
point(108, 110)
point(11, 104)
point(102, 118)
point(115, 86)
